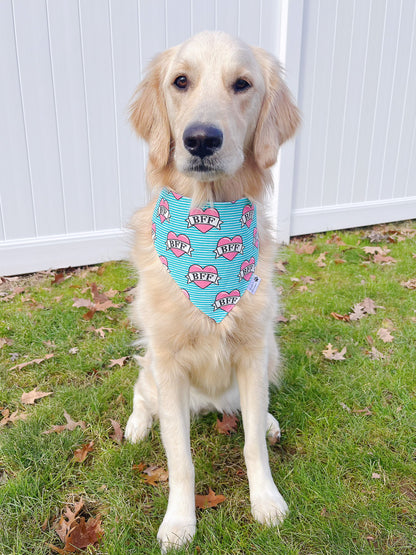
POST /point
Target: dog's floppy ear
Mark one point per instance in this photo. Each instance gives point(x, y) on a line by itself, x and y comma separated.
point(279, 117)
point(148, 113)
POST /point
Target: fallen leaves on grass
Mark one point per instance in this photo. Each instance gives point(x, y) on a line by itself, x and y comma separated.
point(70, 425)
point(58, 278)
point(380, 255)
point(154, 474)
point(13, 417)
point(11, 296)
point(365, 411)
point(100, 302)
point(34, 361)
point(385, 335)
point(409, 284)
point(342, 317)
point(32, 396)
point(81, 454)
point(100, 331)
point(208, 501)
point(375, 354)
point(320, 261)
point(332, 354)
point(5, 341)
point(118, 361)
point(228, 424)
point(305, 248)
point(77, 532)
point(117, 436)
point(365, 307)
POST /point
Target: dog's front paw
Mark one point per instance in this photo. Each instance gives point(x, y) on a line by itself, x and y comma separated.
point(138, 426)
point(175, 533)
point(269, 507)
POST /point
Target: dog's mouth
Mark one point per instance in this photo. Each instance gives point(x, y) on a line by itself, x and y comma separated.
point(204, 169)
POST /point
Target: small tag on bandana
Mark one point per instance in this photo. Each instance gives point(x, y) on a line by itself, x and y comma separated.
point(253, 284)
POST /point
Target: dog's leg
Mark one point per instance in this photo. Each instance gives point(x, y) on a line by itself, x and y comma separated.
point(144, 406)
point(178, 526)
point(267, 505)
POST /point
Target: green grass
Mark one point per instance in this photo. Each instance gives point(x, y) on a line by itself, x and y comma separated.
point(326, 465)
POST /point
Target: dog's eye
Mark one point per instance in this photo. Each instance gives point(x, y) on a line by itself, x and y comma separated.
point(241, 85)
point(181, 82)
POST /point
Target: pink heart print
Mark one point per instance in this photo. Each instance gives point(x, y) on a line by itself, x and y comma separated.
point(227, 241)
point(163, 210)
point(205, 225)
point(199, 280)
point(247, 275)
point(178, 250)
point(247, 218)
point(227, 306)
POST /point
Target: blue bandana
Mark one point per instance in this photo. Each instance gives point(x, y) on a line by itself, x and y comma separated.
point(210, 252)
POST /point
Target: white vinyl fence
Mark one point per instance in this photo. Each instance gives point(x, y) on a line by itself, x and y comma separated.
point(72, 172)
point(354, 160)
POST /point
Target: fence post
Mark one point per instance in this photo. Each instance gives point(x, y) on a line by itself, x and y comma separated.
point(290, 56)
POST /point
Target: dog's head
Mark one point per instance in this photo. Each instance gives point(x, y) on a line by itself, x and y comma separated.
point(210, 104)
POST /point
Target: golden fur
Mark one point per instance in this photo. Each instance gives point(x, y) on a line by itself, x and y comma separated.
point(193, 364)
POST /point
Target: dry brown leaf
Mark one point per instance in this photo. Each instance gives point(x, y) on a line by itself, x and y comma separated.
point(208, 501)
point(11, 296)
point(82, 303)
point(280, 267)
point(375, 354)
point(332, 354)
point(35, 361)
point(7, 417)
point(101, 331)
point(154, 474)
point(30, 397)
point(305, 248)
point(76, 531)
point(58, 278)
point(96, 295)
point(5, 341)
point(70, 425)
point(380, 259)
point(343, 317)
point(409, 284)
point(228, 424)
point(365, 412)
point(118, 361)
point(282, 319)
point(367, 306)
point(376, 250)
point(81, 454)
point(320, 261)
point(385, 335)
point(84, 533)
point(118, 432)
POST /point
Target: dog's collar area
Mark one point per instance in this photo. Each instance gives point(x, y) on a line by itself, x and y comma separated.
point(210, 252)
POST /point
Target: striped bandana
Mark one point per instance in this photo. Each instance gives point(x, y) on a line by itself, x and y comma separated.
point(210, 252)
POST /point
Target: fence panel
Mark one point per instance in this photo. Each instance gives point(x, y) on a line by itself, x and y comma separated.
point(355, 155)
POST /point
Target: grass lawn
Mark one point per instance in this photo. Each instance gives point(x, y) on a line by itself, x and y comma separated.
point(346, 463)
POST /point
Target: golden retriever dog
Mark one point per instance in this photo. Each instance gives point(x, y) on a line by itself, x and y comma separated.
point(214, 112)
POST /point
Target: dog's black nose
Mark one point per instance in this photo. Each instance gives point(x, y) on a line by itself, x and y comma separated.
point(202, 140)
